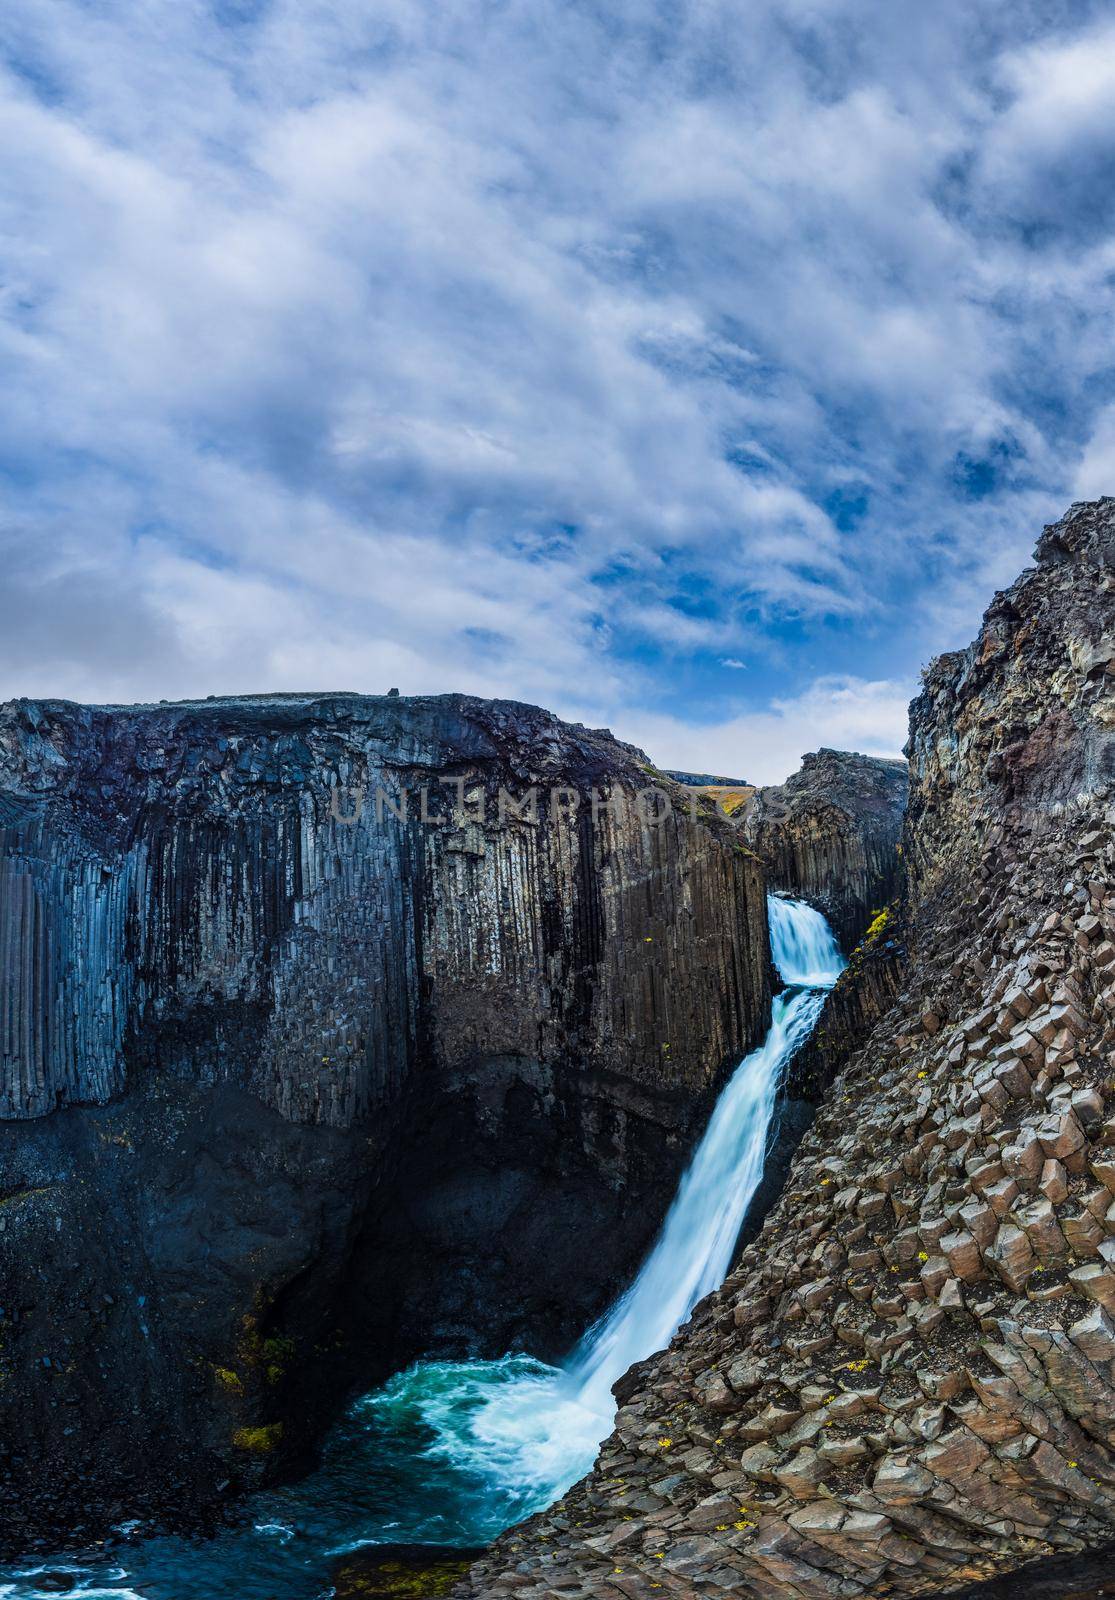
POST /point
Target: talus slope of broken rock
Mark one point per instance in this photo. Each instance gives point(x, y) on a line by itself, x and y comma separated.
point(907, 1385)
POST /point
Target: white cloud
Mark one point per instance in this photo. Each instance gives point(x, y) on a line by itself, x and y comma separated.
point(554, 346)
point(1051, 151)
point(765, 746)
point(1095, 475)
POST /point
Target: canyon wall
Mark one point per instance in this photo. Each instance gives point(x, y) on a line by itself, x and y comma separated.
point(830, 834)
point(295, 1086)
point(907, 1384)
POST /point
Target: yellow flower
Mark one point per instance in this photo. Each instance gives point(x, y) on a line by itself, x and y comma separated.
point(664, 1444)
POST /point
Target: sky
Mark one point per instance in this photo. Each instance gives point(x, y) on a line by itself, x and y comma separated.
point(691, 368)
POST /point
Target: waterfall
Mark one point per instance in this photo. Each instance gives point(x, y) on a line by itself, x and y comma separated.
point(452, 1453)
point(694, 1250)
point(523, 1430)
point(802, 944)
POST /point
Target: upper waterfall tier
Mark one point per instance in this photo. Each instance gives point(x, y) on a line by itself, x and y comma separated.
point(802, 944)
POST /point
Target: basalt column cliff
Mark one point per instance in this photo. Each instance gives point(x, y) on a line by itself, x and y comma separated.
point(295, 1088)
point(908, 1384)
point(830, 834)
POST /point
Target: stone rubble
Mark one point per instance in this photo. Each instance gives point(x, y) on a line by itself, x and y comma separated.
point(907, 1384)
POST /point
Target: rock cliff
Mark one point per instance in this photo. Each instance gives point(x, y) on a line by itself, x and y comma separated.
point(907, 1385)
point(322, 1045)
point(830, 834)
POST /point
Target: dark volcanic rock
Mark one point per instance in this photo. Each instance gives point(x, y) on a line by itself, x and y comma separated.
point(400, 1572)
point(706, 780)
point(1090, 1577)
point(864, 992)
point(907, 1384)
point(830, 834)
point(292, 1098)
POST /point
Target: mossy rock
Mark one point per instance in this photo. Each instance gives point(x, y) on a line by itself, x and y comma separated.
point(277, 1350)
point(402, 1572)
point(258, 1440)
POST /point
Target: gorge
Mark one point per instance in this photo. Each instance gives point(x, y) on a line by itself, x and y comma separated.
point(450, 1453)
point(298, 1092)
point(291, 1101)
point(905, 1386)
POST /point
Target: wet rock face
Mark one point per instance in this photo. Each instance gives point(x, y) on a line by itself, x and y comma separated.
point(294, 1089)
point(830, 834)
point(907, 1385)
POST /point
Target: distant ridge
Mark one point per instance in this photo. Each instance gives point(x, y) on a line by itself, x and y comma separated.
point(702, 780)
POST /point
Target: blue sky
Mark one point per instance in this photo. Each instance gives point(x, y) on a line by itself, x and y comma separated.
point(691, 368)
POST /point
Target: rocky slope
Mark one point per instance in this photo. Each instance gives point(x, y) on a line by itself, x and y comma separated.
point(830, 834)
point(293, 1089)
point(907, 1385)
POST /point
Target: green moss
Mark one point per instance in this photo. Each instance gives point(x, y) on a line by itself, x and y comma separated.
point(277, 1350)
point(228, 1379)
point(258, 1440)
point(731, 803)
point(389, 1578)
point(877, 926)
point(25, 1194)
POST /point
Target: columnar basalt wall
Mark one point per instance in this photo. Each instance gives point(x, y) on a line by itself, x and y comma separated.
point(907, 1385)
point(830, 834)
point(246, 1004)
point(176, 874)
point(865, 992)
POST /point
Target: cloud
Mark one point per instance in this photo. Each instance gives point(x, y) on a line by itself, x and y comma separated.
point(1096, 472)
point(766, 746)
point(1052, 152)
point(559, 351)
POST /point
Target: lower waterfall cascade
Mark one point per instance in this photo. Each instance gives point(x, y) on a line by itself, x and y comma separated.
point(451, 1453)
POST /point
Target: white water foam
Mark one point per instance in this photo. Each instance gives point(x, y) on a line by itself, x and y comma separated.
point(528, 1430)
point(471, 1447)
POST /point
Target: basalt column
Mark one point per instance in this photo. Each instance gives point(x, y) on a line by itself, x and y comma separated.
point(907, 1385)
point(831, 834)
point(308, 1013)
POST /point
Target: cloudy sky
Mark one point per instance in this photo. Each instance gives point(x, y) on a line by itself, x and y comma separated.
point(691, 367)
